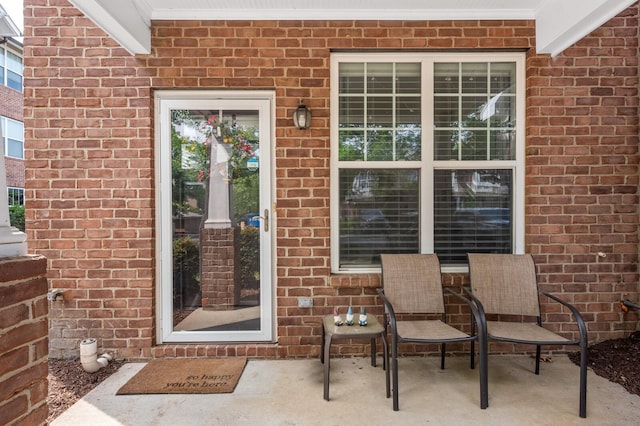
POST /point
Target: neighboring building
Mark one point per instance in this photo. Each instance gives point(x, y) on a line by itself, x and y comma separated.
point(183, 214)
point(11, 113)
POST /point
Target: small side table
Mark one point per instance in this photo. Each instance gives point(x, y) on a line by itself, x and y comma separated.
point(331, 331)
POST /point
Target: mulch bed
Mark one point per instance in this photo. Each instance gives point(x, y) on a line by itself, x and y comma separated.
point(68, 382)
point(617, 360)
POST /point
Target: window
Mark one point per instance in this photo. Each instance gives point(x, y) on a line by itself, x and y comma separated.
point(427, 156)
point(13, 137)
point(15, 196)
point(10, 69)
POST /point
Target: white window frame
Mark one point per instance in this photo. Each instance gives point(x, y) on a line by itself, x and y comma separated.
point(6, 68)
point(5, 136)
point(428, 164)
point(20, 191)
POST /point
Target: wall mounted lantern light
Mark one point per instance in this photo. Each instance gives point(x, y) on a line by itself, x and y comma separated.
point(302, 117)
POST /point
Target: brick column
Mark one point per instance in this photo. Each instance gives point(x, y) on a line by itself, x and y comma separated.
point(23, 341)
point(220, 267)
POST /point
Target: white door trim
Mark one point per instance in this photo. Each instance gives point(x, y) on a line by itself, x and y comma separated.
point(165, 102)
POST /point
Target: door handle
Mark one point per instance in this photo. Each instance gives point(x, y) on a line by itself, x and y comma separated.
point(265, 218)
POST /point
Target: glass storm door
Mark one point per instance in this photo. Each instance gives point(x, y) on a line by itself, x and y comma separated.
point(214, 216)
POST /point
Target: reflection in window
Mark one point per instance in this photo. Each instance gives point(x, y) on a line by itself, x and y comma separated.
point(472, 213)
point(378, 214)
point(379, 120)
point(474, 111)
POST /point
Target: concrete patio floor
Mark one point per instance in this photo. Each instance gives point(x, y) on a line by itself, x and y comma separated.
point(289, 392)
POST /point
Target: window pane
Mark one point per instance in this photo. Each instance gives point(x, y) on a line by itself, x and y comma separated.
point(473, 212)
point(502, 144)
point(473, 111)
point(352, 111)
point(14, 129)
point(379, 111)
point(446, 111)
point(14, 81)
point(474, 78)
point(446, 78)
point(473, 145)
point(379, 145)
point(408, 144)
point(14, 62)
point(408, 111)
point(503, 77)
point(408, 78)
point(446, 144)
point(351, 78)
point(15, 196)
point(351, 145)
point(378, 214)
point(379, 78)
point(15, 148)
point(500, 110)
point(484, 121)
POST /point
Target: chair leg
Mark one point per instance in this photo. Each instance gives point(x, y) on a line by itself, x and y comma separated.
point(394, 368)
point(385, 352)
point(484, 366)
point(373, 352)
point(538, 348)
point(327, 350)
point(322, 344)
point(583, 379)
point(385, 365)
point(472, 354)
point(443, 347)
point(472, 358)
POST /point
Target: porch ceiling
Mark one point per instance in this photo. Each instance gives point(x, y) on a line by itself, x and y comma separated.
point(559, 23)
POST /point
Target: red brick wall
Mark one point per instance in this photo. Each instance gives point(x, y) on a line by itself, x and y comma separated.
point(11, 104)
point(15, 172)
point(23, 342)
point(582, 175)
point(90, 164)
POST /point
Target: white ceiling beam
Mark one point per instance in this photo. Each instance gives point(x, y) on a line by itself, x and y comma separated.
point(561, 24)
point(123, 20)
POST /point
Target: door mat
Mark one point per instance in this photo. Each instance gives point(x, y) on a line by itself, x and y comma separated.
point(199, 375)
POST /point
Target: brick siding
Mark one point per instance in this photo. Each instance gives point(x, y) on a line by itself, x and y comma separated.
point(23, 342)
point(11, 103)
point(12, 106)
point(90, 177)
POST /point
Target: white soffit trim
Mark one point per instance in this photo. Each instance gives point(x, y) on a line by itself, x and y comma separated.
point(310, 14)
point(123, 20)
point(560, 24)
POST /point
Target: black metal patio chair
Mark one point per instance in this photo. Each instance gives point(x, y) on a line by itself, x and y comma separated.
point(504, 287)
point(412, 285)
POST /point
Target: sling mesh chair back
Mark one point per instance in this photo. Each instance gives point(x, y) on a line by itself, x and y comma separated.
point(504, 285)
point(412, 285)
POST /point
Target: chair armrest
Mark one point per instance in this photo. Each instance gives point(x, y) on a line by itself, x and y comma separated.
point(476, 308)
point(475, 301)
point(388, 309)
point(576, 314)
